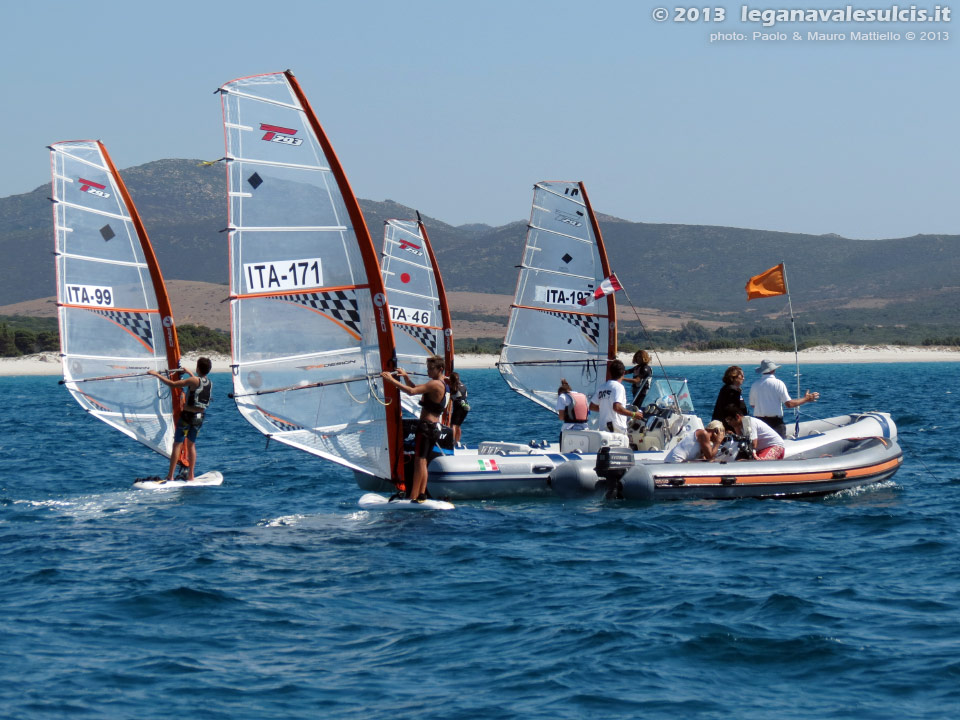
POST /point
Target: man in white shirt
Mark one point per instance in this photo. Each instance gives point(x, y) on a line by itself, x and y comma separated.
point(769, 395)
point(765, 443)
point(610, 400)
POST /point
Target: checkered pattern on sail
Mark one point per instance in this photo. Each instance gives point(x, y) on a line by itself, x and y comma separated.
point(589, 325)
point(133, 322)
point(284, 425)
point(340, 304)
point(423, 335)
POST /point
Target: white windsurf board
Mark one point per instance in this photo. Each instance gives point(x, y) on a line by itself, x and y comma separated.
point(208, 478)
point(372, 501)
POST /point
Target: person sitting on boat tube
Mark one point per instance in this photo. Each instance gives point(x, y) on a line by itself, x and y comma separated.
point(433, 393)
point(765, 443)
point(198, 389)
point(698, 444)
point(769, 395)
point(572, 407)
point(610, 400)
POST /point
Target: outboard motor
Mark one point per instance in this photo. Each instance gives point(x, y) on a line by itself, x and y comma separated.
point(622, 477)
point(612, 464)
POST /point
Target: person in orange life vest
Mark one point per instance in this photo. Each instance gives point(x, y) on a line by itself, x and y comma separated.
point(428, 429)
point(198, 388)
point(572, 407)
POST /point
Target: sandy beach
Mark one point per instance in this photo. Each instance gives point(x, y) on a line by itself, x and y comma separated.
point(49, 363)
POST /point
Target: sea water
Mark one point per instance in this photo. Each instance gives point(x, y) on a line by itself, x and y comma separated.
point(274, 596)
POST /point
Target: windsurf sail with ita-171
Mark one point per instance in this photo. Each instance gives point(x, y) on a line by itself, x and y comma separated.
point(550, 335)
point(418, 303)
point(310, 324)
point(114, 313)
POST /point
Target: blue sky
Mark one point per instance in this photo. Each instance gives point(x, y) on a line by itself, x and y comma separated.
point(457, 108)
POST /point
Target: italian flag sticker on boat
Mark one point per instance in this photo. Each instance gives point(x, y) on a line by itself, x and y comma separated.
point(488, 465)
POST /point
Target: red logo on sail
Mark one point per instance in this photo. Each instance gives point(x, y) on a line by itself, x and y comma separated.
point(282, 135)
point(94, 188)
point(410, 247)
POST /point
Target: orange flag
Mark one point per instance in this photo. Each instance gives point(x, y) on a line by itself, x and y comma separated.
point(767, 284)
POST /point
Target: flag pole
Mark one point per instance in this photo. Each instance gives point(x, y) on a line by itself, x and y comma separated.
point(793, 325)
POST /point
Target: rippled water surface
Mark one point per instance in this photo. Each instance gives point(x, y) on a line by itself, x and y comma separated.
point(273, 596)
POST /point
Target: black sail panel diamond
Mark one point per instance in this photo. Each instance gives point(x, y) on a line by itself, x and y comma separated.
point(107, 233)
point(567, 258)
point(255, 180)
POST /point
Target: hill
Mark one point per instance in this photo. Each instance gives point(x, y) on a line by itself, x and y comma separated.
point(688, 271)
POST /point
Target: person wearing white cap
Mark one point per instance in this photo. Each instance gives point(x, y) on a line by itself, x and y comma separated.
point(698, 445)
point(769, 395)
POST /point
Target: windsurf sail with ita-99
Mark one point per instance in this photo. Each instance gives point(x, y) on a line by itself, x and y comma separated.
point(310, 324)
point(550, 335)
point(418, 303)
point(114, 313)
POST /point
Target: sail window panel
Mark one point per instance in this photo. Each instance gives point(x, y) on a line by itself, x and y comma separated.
point(331, 420)
point(270, 87)
point(563, 332)
point(110, 333)
point(262, 263)
point(90, 187)
point(563, 214)
point(105, 285)
point(276, 134)
point(285, 197)
point(541, 377)
point(411, 284)
point(297, 324)
point(96, 236)
point(562, 254)
point(137, 406)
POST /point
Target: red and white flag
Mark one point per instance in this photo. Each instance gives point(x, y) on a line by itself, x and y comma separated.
point(609, 286)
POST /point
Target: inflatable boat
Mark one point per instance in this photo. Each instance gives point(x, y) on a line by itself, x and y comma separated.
point(500, 469)
point(838, 465)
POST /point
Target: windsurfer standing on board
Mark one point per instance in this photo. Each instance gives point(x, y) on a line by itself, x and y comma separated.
point(191, 417)
point(428, 429)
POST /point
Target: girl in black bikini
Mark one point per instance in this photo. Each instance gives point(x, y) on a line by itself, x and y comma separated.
point(433, 392)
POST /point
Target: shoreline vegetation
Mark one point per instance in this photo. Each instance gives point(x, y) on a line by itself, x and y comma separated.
point(48, 363)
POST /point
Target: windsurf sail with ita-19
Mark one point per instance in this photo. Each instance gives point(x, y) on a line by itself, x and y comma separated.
point(550, 335)
point(418, 303)
point(310, 324)
point(114, 313)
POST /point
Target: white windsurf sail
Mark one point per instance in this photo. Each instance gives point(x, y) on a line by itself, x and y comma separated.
point(418, 303)
point(310, 324)
point(113, 309)
point(550, 335)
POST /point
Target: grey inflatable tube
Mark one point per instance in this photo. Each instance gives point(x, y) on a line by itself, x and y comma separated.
point(638, 484)
point(573, 478)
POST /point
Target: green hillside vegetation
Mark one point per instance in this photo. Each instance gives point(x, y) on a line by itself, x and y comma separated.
point(27, 336)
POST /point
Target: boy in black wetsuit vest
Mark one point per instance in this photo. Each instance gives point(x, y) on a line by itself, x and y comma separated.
point(198, 388)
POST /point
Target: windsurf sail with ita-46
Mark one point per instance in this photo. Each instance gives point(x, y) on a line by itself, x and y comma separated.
point(418, 303)
point(114, 313)
point(550, 334)
point(310, 324)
